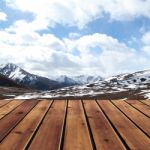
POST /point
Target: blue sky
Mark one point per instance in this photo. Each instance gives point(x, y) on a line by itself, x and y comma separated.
point(101, 37)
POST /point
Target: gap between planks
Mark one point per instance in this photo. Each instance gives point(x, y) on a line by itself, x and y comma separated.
point(79, 125)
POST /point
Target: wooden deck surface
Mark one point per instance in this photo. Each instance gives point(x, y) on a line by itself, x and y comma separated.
point(74, 125)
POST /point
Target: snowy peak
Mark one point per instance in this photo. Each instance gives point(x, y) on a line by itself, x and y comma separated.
point(4, 81)
point(7, 68)
point(131, 78)
point(65, 79)
point(78, 80)
point(25, 78)
point(85, 79)
point(14, 72)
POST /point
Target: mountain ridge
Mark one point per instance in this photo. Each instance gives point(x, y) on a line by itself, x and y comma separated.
point(6, 82)
point(23, 77)
point(124, 86)
point(136, 84)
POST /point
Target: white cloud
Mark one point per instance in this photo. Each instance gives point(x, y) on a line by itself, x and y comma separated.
point(146, 38)
point(146, 41)
point(48, 55)
point(111, 56)
point(127, 9)
point(97, 53)
point(79, 13)
point(3, 16)
point(74, 35)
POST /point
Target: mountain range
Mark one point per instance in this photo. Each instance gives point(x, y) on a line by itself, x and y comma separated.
point(4, 81)
point(22, 77)
point(129, 85)
point(125, 86)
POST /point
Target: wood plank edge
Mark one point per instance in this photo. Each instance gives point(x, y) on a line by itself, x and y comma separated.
point(130, 118)
point(137, 109)
point(61, 143)
point(114, 128)
point(17, 121)
point(88, 126)
point(142, 101)
point(12, 109)
point(37, 128)
point(5, 103)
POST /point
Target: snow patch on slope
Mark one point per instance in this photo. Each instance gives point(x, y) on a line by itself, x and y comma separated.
point(17, 74)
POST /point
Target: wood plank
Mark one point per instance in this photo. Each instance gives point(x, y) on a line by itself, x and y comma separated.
point(9, 107)
point(76, 133)
point(49, 135)
point(133, 137)
point(22, 133)
point(147, 102)
point(3, 102)
point(137, 117)
point(11, 120)
point(140, 106)
point(103, 133)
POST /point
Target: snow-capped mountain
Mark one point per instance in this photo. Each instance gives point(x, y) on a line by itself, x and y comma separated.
point(85, 79)
point(25, 78)
point(78, 80)
point(120, 86)
point(6, 82)
point(14, 72)
point(132, 85)
point(66, 80)
point(132, 80)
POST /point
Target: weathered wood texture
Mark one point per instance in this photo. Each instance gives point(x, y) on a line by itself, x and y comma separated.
point(74, 125)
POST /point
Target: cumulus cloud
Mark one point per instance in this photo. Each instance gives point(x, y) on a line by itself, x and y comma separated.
point(74, 35)
point(146, 38)
point(146, 42)
point(111, 56)
point(79, 13)
point(48, 55)
point(40, 54)
point(3, 16)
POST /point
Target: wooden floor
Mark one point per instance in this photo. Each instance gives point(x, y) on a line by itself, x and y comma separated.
point(74, 125)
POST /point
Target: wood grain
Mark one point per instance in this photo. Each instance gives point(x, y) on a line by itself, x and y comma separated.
point(9, 107)
point(137, 117)
point(140, 106)
point(49, 135)
point(76, 134)
point(147, 102)
point(3, 102)
point(134, 138)
point(22, 133)
point(104, 135)
point(74, 125)
point(10, 121)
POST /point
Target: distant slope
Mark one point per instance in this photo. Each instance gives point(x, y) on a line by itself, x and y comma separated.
point(131, 80)
point(77, 80)
point(86, 79)
point(66, 81)
point(25, 78)
point(4, 81)
point(124, 86)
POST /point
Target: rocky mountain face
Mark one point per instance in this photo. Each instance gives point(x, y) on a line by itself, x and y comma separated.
point(124, 86)
point(77, 80)
point(6, 82)
point(85, 79)
point(25, 78)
